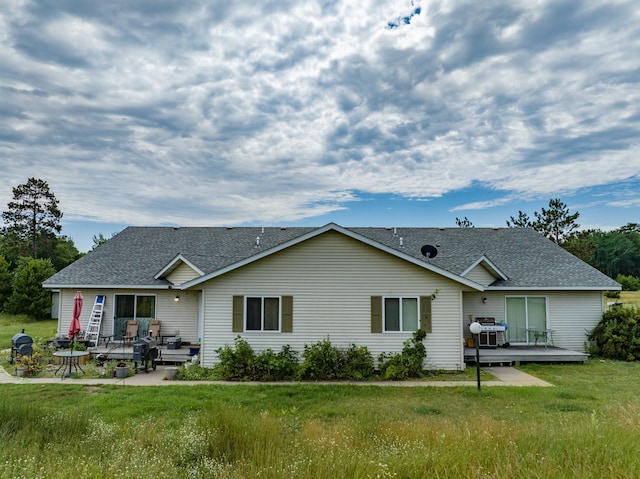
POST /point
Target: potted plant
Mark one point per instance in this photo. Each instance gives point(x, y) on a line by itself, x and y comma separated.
point(28, 365)
point(21, 367)
point(122, 370)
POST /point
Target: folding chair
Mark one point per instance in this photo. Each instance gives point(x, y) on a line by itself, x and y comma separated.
point(154, 329)
point(132, 330)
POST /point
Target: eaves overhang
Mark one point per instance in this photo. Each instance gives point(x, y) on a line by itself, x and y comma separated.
point(109, 286)
point(552, 288)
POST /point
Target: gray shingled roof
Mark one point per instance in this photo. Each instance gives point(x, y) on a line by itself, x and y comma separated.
point(135, 256)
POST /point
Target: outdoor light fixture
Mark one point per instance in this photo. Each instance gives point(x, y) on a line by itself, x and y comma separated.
point(177, 298)
point(476, 329)
point(484, 299)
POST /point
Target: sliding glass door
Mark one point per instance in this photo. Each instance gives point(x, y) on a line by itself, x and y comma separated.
point(141, 307)
point(523, 313)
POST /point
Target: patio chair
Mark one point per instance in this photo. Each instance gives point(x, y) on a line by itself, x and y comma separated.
point(154, 329)
point(132, 330)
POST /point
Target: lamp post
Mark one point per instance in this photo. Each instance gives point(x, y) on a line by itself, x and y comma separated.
point(476, 329)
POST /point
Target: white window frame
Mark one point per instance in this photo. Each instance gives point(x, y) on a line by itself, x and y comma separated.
point(526, 297)
point(262, 298)
point(135, 306)
point(384, 313)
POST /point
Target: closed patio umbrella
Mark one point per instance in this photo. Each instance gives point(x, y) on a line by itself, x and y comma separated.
point(75, 327)
point(69, 358)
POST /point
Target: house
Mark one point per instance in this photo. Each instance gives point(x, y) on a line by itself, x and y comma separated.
point(369, 286)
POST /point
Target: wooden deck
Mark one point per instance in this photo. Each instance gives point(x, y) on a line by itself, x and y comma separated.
point(515, 355)
point(165, 356)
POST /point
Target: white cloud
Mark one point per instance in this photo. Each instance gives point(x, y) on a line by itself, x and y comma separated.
point(283, 110)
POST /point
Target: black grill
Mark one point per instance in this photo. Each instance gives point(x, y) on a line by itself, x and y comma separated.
point(21, 344)
point(145, 351)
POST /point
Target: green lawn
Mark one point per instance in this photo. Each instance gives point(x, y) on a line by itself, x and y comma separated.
point(630, 298)
point(586, 426)
point(38, 330)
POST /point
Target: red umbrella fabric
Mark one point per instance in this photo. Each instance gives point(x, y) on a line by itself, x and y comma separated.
point(75, 327)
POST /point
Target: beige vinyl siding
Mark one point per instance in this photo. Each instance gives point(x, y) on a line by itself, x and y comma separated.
point(570, 313)
point(480, 275)
point(182, 274)
point(473, 305)
point(332, 279)
point(176, 317)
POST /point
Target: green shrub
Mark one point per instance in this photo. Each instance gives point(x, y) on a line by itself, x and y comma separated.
point(241, 363)
point(320, 361)
point(357, 364)
point(629, 283)
point(238, 363)
point(406, 364)
point(617, 335)
point(271, 366)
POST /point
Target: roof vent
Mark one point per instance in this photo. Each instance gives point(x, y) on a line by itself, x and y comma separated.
point(257, 241)
point(429, 251)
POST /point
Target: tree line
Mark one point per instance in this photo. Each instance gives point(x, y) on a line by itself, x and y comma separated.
point(616, 253)
point(32, 248)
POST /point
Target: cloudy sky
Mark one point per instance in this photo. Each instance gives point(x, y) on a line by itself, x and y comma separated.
point(295, 112)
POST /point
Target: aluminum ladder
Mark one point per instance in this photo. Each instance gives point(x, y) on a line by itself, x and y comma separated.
point(92, 333)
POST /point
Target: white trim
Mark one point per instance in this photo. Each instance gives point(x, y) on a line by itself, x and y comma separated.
point(112, 286)
point(400, 298)
point(201, 321)
point(135, 307)
point(550, 288)
point(262, 298)
point(487, 263)
point(171, 265)
point(547, 319)
point(346, 232)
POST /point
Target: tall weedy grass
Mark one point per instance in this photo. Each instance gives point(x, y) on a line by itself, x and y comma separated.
point(587, 426)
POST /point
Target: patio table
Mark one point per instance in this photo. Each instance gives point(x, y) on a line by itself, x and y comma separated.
point(70, 360)
point(540, 333)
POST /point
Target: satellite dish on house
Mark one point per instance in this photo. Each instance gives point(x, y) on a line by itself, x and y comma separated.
point(429, 251)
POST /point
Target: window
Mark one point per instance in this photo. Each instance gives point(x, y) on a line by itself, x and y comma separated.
point(400, 314)
point(262, 314)
point(133, 306)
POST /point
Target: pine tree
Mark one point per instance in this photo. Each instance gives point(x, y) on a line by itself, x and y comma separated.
point(33, 215)
point(556, 223)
